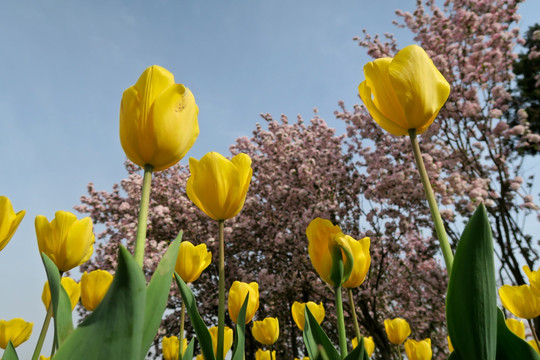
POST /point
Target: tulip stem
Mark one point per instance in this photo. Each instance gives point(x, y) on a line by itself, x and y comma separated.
point(181, 337)
point(340, 322)
point(399, 352)
point(435, 214)
point(355, 319)
point(43, 333)
point(534, 333)
point(140, 239)
point(221, 305)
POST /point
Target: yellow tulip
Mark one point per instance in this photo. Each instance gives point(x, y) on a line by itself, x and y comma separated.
point(237, 295)
point(171, 346)
point(265, 355)
point(418, 350)
point(192, 260)
point(517, 327)
point(404, 92)
point(94, 286)
point(298, 312)
point(304, 358)
point(227, 339)
point(323, 238)
point(450, 346)
point(534, 345)
point(369, 344)
point(362, 260)
point(9, 221)
point(73, 289)
point(534, 279)
point(158, 120)
point(219, 186)
point(520, 301)
point(397, 330)
point(266, 331)
point(43, 357)
point(16, 330)
point(68, 242)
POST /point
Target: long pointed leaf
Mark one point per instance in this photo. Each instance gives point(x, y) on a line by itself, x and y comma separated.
point(509, 345)
point(188, 355)
point(315, 336)
point(239, 340)
point(63, 322)
point(10, 353)
point(157, 294)
point(114, 330)
point(205, 339)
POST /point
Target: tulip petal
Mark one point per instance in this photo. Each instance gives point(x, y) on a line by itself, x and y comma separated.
point(131, 133)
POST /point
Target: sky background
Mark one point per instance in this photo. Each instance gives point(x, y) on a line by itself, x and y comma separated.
point(64, 66)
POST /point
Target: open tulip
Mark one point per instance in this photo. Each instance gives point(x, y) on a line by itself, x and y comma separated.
point(237, 296)
point(397, 330)
point(68, 242)
point(298, 312)
point(520, 301)
point(324, 240)
point(171, 347)
point(418, 350)
point(266, 331)
point(16, 330)
point(94, 286)
point(228, 339)
point(192, 260)
point(158, 120)
point(369, 344)
point(362, 260)
point(73, 289)
point(516, 326)
point(404, 92)
point(218, 186)
point(534, 279)
point(9, 221)
point(265, 355)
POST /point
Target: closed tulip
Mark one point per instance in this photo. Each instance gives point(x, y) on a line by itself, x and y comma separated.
point(323, 238)
point(16, 330)
point(369, 344)
point(68, 242)
point(237, 296)
point(404, 92)
point(517, 327)
point(266, 331)
point(94, 286)
point(362, 261)
point(534, 279)
point(265, 355)
point(298, 312)
point(218, 186)
point(192, 260)
point(158, 120)
point(397, 330)
point(9, 221)
point(520, 301)
point(227, 340)
point(73, 289)
point(418, 350)
point(171, 347)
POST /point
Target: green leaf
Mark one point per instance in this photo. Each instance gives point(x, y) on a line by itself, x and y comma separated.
point(10, 353)
point(348, 265)
point(203, 335)
point(509, 345)
point(471, 302)
point(239, 340)
point(454, 356)
point(188, 355)
point(114, 330)
point(359, 352)
point(314, 337)
point(157, 294)
point(61, 303)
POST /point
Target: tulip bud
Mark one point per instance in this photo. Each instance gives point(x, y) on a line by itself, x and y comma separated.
point(227, 341)
point(94, 286)
point(397, 330)
point(171, 347)
point(16, 330)
point(369, 344)
point(9, 221)
point(265, 355)
point(266, 331)
point(237, 296)
point(298, 312)
point(73, 289)
point(192, 260)
point(418, 350)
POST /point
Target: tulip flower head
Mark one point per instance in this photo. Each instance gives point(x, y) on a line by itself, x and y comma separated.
point(158, 120)
point(16, 330)
point(418, 350)
point(516, 326)
point(404, 92)
point(266, 331)
point(362, 261)
point(171, 347)
point(298, 312)
point(369, 344)
point(227, 341)
point(237, 296)
point(534, 279)
point(68, 242)
point(192, 260)
point(9, 221)
point(265, 355)
point(520, 301)
point(397, 330)
point(94, 286)
point(73, 289)
point(218, 186)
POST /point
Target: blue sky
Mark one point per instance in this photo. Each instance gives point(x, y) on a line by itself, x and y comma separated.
point(65, 64)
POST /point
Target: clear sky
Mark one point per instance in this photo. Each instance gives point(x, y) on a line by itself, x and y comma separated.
point(64, 65)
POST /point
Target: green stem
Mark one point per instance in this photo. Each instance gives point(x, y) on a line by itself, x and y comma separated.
point(436, 216)
point(534, 333)
point(355, 319)
point(340, 322)
point(181, 337)
point(140, 239)
point(399, 352)
point(221, 305)
point(43, 333)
